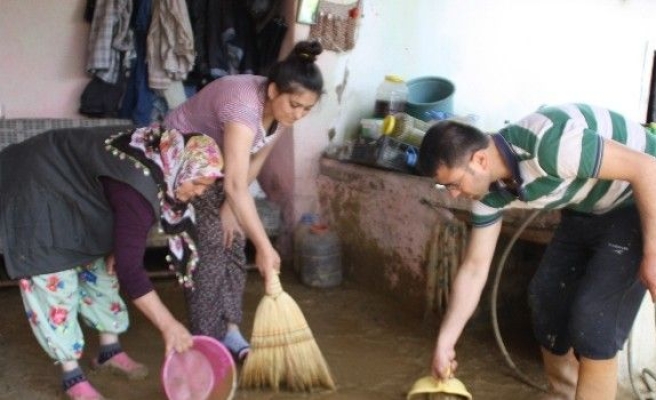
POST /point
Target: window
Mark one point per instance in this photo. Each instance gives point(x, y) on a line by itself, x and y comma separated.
point(651, 97)
point(649, 82)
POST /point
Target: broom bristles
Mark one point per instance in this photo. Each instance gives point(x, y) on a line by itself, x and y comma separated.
point(306, 366)
point(265, 364)
point(283, 349)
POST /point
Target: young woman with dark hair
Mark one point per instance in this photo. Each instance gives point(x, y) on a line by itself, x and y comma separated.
point(246, 115)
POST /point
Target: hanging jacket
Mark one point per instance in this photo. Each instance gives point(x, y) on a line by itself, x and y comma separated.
point(170, 44)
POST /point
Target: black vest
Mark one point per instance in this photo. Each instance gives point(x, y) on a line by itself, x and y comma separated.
point(53, 212)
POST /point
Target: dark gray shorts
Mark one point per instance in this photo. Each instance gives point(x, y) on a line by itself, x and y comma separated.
point(586, 291)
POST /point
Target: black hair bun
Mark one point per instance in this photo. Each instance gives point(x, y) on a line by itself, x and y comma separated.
point(307, 50)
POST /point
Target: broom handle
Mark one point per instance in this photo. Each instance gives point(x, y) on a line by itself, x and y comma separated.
point(273, 286)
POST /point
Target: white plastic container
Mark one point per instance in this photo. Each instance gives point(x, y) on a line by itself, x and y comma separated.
point(370, 128)
point(404, 128)
point(391, 97)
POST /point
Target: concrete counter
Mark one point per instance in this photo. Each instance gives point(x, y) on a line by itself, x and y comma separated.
point(388, 221)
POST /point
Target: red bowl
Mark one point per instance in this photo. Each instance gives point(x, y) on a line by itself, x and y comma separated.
point(207, 371)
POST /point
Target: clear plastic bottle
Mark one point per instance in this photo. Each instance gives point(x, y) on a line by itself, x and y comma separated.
point(391, 96)
point(320, 257)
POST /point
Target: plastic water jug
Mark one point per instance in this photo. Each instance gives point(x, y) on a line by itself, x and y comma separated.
point(320, 257)
point(301, 230)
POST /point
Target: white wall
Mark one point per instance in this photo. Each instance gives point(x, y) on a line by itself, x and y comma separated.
point(505, 57)
point(42, 57)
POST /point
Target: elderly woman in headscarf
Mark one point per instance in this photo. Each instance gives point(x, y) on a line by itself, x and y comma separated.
point(76, 207)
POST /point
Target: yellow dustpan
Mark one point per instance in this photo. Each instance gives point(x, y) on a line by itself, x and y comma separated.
point(430, 388)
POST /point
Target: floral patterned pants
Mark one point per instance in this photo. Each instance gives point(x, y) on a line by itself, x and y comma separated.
point(54, 301)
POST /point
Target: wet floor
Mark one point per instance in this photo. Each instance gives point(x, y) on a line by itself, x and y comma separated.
point(374, 347)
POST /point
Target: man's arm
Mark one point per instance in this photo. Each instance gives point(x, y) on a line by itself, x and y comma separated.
point(465, 295)
point(639, 169)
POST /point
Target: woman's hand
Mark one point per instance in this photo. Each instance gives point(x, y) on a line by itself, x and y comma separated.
point(176, 338)
point(110, 264)
point(268, 262)
point(231, 227)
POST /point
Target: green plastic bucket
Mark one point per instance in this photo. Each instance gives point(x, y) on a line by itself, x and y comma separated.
point(429, 93)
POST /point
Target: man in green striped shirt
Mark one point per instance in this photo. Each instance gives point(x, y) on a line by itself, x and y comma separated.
point(599, 169)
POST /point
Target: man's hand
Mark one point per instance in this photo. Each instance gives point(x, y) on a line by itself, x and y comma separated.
point(444, 360)
point(648, 274)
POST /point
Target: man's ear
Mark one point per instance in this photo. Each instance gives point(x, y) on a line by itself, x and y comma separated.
point(272, 91)
point(481, 159)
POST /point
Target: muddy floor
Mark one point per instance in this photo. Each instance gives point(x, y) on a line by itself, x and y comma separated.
point(375, 349)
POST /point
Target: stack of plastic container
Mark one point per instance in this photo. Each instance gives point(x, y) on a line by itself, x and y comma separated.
point(405, 128)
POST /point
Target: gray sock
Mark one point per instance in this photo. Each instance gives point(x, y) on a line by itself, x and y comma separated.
point(108, 351)
point(72, 378)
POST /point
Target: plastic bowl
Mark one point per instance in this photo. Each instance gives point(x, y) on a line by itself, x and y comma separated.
point(429, 93)
point(205, 372)
point(431, 386)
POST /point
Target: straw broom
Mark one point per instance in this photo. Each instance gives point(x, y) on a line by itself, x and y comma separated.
point(283, 349)
point(432, 266)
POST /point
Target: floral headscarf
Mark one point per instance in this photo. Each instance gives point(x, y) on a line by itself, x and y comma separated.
point(172, 159)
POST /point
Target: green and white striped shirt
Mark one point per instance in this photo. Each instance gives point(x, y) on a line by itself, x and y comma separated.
point(559, 151)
